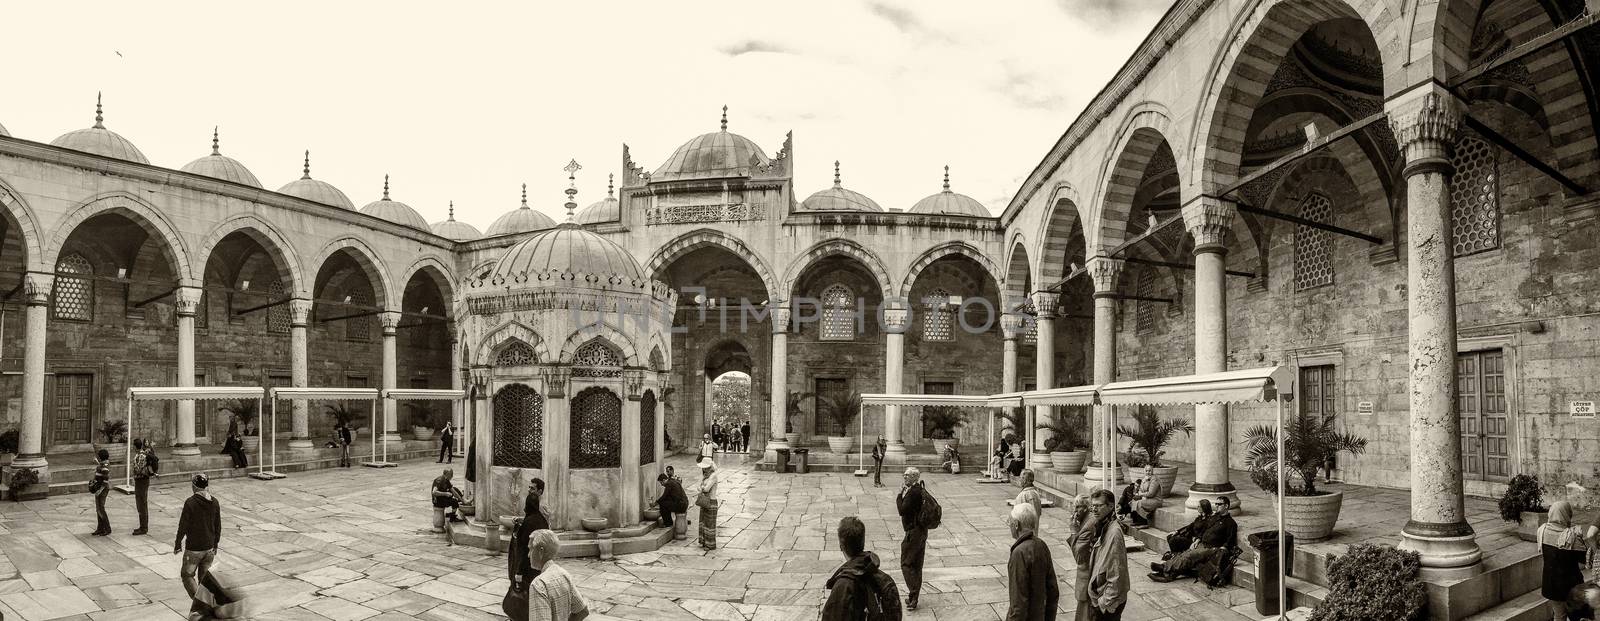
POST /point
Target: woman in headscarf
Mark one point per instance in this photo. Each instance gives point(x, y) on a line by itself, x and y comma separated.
point(1563, 546)
point(707, 501)
point(1147, 498)
point(708, 449)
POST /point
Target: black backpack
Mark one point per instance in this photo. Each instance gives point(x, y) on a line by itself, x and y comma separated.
point(882, 596)
point(1218, 572)
point(929, 515)
point(154, 462)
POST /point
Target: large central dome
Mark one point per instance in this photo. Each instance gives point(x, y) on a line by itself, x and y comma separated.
point(568, 248)
point(711, 156)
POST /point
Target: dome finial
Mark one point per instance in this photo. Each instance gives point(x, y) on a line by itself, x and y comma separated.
point(386, 187)
point(452, 217)
point(611, 185)
point(99, 118)
point(572, 169)
point(836, 173)
point(214, 146)
point(947, 177)
point(307, 168)
point(724, 117)
point(524, 196)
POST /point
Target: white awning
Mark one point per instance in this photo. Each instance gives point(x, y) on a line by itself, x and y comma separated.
point(959, 401)
point(194, 393)
point(424, 394)
point(1074, 395)
point(1006, 400)
point(1261, 384)
point(329, 394)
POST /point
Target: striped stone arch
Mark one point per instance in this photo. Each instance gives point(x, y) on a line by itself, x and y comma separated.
point(498, 338)
point(1142, 134)
point(27, 226)
point(437, 269)
point(377, 273)
point(1019, 273)
point(683, 244)
point(141, 213)
point(278, 247)
point(839, 246)
point(1256, 43)
point(606, 333)
point(1063, 218)
point(944, 250)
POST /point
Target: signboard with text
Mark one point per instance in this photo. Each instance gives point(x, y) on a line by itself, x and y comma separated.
point(1581, 409)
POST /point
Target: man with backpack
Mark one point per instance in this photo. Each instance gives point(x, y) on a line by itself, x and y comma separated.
point(146, 465)
point(919, 513)
point(859, 590)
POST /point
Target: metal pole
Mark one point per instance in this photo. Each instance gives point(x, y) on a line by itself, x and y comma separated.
point(1283, 570)
point(272, 406)
point(127, 441)
point(373, 455)
point(261, 441)
point(386, 401)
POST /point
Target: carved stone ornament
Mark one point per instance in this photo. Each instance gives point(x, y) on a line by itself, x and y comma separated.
point(1013, 325)
point(1044, 303)
point(634, 379)
point(299, 312)
point(781, 314)
point(1208, 219)
point(186, 300)
point(1104, 271)
point(895, 320)
point(36, 288)
point(1425, 122)
point(555, 382)
point(390, 321)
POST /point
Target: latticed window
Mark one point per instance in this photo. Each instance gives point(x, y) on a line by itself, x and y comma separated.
point(1030, 333)
point(596, 429)
point(74, 295)
point(277, 316)
point(1475, 196)
point(202, 312)
point(514, 354)
point(359, 328)
point(940, 316)
point(838, 314)
point(647, 427)
point(518, 427)
point(1313, 248)
point(1144, 316)
point(596, 359)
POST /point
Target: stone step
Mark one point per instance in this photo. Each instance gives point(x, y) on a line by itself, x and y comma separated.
point(644, 537)
point(1529, 606)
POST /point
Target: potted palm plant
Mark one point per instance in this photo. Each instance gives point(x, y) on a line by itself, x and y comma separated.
point(9, 440)
point(1523, 503)
point(942, 423)
point(842, 412)
point(1066, 442)
point(421, 414)
point(245, 413)
point(113, 433)
point(1148, 435)
point(793, 412)
point(1308, 442)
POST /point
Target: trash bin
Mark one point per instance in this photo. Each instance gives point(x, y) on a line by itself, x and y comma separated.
point(1265, 544)
point(783, 461)
point(802, 465)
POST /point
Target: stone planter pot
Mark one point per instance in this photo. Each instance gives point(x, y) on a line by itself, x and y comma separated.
point(594, 524)
point(651, 515)
point(841, 445)
point(422, 433)
point(5, 458)
point(1168, 477)
point(793, 439)
point(1069, 462)
point(251, 443)
point(1311, 518)
point(1528, 526)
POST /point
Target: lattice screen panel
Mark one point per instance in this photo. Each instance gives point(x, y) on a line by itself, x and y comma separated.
point(277, 316)
point(514, 354)
point(1313, 248)
point(838, 316)
point(596, 359)
point(1144, 316)
point(1475, 197)
point(74, 296)
point(938, 316)
point(1031, 334)
point(518, 427)
point(647, 428)
point(359, 328)
point(596, 440)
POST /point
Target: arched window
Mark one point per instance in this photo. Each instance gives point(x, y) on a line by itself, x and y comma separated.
point(939, 317)
point(359, 328)
point(1313, 248)
point(596, 440)
point(515, 354)
point(1144, 316)
point(657, 362)
point(1474, 196)
point(647, 427)
point(596, 359)
point(518, 427)
point(838, 314)
point(74, 295)
point(277, 316)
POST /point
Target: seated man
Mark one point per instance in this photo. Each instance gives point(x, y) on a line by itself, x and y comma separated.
point(1221, 535)
point(446, 496)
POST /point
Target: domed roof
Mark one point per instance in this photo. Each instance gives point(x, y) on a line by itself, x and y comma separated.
point(222, 167)
point(520, 220)
point(837, 198)
point(395, 211)
point(316, 191)
point(458, 231)
point(713, 155)
point(950, 203)
point(100, 141)
point(568, 248)
point(608, 209)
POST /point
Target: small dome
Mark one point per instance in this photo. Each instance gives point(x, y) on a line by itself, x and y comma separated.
point(222, 167)
point(395, 211)
point(520, 220)
point(458, 231)
point(568, 248)
point(100, 141)
point(837, 198)
point(608, 209)
point(950, 203)
point(316, 191)
point(713, 155)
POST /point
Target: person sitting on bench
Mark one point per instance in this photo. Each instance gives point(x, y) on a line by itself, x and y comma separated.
point(1221, 535)
point(446, 496)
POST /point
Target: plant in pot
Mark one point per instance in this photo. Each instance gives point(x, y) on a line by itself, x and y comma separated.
point(1523, 502)
point(421, 417)
point(21, 480)
point(1066, 442)
point(245, 414)
point(112, 434)
point(1308, 441)
point(792, 412)
point(942, 423)
point(1148, 435)
point(1374, 582)
point(10, 439)
point(842, 411)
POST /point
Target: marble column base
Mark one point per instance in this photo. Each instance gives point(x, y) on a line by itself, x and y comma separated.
point(895, 453)
point(1444, 556)
point(1211, 491)
point(186, 450)
point(770, 455)
point(391, 437)
point(39, 464)
point(1093, 473)
point(301, 443)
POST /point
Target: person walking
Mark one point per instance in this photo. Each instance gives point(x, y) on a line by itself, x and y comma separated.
point(880, 449)
point(519, 571)
point(708, 449)
point(744, 432)
point(199, 532)
point(1563, 546)
point(1031, 575)
point(447, 438)
point(672, 501)
point(716, 435)
point(100, 486)
point(912, 548)
point(859, 590)
point(552, 596)
point(1029, 494)
point(707, 501)
point(1108, 562)
point(233, 447)
point(344, 445)
point(146, 465)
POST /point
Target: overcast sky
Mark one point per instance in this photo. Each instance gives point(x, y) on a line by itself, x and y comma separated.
point(465, 102)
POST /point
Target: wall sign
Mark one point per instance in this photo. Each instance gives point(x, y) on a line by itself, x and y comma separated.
point(1364, 408)
point(1581, 409)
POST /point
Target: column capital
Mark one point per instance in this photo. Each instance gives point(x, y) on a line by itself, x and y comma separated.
point(1104, 272)
point(634, 380)
point(299, 312)
point(478, 377)
point(1044, 303)
point(390, 321)
point(555, 382)
point(895, 320)
point(36, 288)
point(187, 300)
point(780, 317)
point(1013, 325)
point(1208, 220)
point(1425, 121)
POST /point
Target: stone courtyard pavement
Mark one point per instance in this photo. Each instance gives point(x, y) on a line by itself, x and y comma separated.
point(353, 544)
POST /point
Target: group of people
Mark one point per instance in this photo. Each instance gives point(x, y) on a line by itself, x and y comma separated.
point(729, 438)
point(1007, 460)
point(674, 501)
point(1565, 547)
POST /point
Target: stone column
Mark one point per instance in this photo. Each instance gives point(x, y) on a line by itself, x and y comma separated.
point(780, 382)
point(1012, 326)
point(390, 320)
point(30, 445)
point(187, 300)
point(299, 343)
point(1044, 374)
point(1208, 220)
point(1104, 271)
point(1425, 122)
point(894, 321)
point(629, 509)
point(483, 434)
point(557, 441)
point(458, 413)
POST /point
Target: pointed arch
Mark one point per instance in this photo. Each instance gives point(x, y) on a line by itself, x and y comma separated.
point(944, 250)
point(377, 272)
point(683, 244)
point(607, 333)
point(838, 246)
point(1061, 219)
point(138, 211)
point(278, 247)
point(512, 331)
point(1019, 273)
point(438, 270)
point(1140, 138)
point(27, 226)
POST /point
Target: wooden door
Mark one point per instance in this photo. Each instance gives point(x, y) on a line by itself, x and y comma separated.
point(72, 409)
point(1481, 404)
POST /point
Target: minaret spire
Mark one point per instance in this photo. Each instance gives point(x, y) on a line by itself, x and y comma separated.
point(947, 177)
point(572, 169)
point(307, 169)
point(215, 150)
point(836, 173)
point(524, 196)
point(724, 118)
point(386, 187)
point(99, 117)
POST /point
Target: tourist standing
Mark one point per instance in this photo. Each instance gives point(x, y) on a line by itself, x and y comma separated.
point(1029, 494)
point(344, 445)
point(744, 432)
point(716, 435)
point(707, 501)
point(708, 449)
point(552, 596)
point(1563, 546)
point(1108, 564)
point(859, 589)
point(447, 438)
point(1031, 575)
point(519, 571)
point(234, 448)
point(199, 532)
point(100, 486)
point(914, 545)
point(673, 500)
point(145, 465)
point(1080, 537)
point(879, 451)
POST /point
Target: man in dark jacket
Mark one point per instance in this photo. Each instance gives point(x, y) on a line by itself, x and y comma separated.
point(879, 450)
point(1221, 534)
point(144, 467)
point(1031, 574)
point(199, 532)
point(673, 500)
point(344, 446)
point(915, 544)
point(518, 571)
point(447, 442)
point(859, 590)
